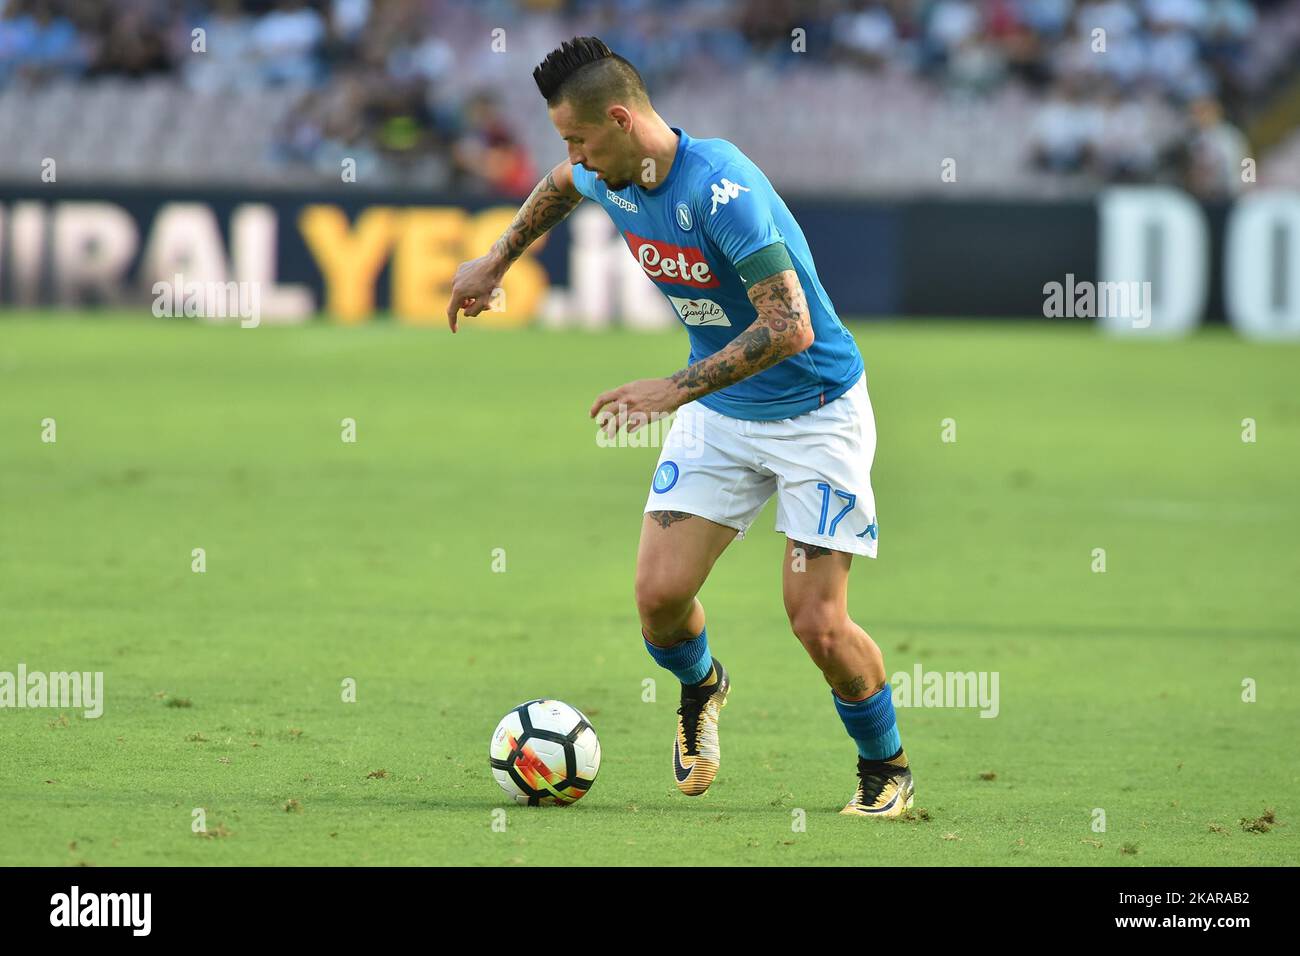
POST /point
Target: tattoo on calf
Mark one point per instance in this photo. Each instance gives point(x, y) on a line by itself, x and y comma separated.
point(665, 518)
point(854, 689)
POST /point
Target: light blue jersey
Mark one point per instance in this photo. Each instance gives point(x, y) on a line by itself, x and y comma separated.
point(715, 209)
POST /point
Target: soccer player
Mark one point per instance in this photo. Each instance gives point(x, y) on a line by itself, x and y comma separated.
point(773, 401)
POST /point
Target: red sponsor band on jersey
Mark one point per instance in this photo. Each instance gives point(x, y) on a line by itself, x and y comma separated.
point(666, 262)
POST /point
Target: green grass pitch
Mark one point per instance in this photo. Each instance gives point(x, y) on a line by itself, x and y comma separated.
point(325, 560)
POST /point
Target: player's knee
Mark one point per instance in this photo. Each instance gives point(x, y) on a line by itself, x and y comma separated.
point(662, 603)
point(818, 625)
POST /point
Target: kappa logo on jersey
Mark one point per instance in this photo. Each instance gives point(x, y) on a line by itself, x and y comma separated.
point(665, 262)
point(619, 201)
point(725, 192)
point(700, 311)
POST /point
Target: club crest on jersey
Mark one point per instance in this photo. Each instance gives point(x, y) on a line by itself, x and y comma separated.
point(666, 262)
point(724, 192)
point(684, 219)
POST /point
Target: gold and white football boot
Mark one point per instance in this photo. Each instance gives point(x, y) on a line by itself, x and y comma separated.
point(884, 788)
point(696, 754)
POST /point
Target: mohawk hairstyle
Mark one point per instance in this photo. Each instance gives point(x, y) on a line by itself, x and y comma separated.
point(588, 74)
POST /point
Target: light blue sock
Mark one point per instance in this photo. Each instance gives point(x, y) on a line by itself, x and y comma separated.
point(690, 661)
point(871, 724)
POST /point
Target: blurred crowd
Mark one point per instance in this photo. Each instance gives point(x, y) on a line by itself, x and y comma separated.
point(1130, 90)
point(370, 74)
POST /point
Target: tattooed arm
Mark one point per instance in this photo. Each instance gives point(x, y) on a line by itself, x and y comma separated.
point(552, 199)
point(783, 328)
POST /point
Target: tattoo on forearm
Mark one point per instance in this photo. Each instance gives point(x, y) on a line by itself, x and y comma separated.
point(546, 206)
point(665, 518)
point(811, 551)
point(776, 334)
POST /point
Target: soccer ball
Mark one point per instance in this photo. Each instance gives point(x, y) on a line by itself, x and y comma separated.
point(545, 752)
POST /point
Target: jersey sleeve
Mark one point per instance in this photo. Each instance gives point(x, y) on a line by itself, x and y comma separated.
point(735, 206)
point(584, 181)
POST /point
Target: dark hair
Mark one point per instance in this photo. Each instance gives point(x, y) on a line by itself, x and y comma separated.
point(589, 75)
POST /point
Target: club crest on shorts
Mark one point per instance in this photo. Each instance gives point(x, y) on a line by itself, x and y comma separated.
point(665, 477)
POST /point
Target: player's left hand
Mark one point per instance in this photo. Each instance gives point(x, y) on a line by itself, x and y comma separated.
point(635, 404)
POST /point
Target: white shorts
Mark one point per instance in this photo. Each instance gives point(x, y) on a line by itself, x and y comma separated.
point(818, 464)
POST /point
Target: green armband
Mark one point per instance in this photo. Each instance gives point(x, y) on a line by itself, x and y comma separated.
point(763, 264)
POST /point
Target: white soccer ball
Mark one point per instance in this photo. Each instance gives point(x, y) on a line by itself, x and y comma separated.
point(545, 752)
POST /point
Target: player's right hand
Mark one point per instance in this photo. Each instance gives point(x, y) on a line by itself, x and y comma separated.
point(472, 287)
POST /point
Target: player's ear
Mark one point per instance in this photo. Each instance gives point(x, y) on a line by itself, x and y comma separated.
point(621, 115)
